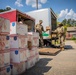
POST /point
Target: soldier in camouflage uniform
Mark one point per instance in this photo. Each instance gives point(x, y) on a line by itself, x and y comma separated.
point(39, 28)
point(60, 31)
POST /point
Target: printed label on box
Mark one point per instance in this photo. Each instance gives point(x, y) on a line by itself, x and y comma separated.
point(18, 41)
point(18, 68)
point(18, 55)
point(5, 70)
point(18, 28)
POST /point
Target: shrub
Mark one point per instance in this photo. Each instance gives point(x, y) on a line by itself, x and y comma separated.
point(73, 38)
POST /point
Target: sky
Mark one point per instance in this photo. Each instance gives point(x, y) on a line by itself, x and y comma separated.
point(64, 9)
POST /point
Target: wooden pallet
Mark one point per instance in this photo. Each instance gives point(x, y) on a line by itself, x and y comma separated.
point(49, 51)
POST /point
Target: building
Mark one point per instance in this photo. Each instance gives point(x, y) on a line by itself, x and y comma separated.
point(71, 32)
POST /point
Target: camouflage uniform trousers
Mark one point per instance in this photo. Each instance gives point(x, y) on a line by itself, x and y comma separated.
point(62, 41)
point(41, 40)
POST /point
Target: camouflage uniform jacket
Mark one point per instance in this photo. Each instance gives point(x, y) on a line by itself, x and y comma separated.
point(39, 28)
point(60, 31)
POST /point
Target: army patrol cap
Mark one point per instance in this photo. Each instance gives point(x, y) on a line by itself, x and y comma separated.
point(60, 25)
point(40, 21)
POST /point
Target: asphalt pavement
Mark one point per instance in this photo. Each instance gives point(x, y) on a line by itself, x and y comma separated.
point(64, 63)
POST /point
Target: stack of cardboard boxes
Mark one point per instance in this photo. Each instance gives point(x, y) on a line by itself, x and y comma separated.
point(4, 47)
point(36, 45)
point(33, 54)
point(18, 46)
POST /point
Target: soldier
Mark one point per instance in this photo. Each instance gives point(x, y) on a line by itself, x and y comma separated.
point(60, 31)
point(65, 30)
point(39, 28)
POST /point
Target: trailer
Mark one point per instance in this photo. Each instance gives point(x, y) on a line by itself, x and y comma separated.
point(16, 15)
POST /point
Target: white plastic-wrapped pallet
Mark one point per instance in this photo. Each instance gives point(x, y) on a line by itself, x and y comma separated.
point(4, 26)
point(18, 41)
point(18, 28)
point(18, 68)
point(4, 42)
point(18, 55)
point(5, 70)
point(4, 58)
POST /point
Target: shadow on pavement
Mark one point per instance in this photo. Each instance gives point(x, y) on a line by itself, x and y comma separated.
point(68, 47)
point(40, 67)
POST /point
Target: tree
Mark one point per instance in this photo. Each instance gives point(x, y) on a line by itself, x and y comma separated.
point(2, 10)
point(69, 22)
point(64, 22)
point(6, 9)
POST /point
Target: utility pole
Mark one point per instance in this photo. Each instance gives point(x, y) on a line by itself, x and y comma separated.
point(37, 4)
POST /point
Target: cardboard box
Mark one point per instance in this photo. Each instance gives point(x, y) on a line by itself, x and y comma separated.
point(36, 53)
point(27, 53)
point(4, 58)
point(4, 26)
point(35, 41)
point(34, 38)
point(18, 41)
point(5, 70)
point(18, 55)
point(32, 52)
point(18, 28)
point(4, 42)
point(37, 57)
point(30, 62)
point(18, 68)
point(30, 36)
point(35, 49)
